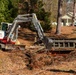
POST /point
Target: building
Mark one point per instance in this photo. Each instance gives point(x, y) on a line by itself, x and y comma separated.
point(66, 20)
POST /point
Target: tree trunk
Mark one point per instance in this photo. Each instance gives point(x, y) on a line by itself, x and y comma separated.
point(58, 28)
point(73, 18)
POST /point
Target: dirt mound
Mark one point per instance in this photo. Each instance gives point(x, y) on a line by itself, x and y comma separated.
point(28, 62)
point(38, 60)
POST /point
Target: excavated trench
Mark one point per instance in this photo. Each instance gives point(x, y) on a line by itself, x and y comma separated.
point(43, 58)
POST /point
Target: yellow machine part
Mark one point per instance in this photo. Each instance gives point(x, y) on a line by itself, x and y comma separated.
point(17, 42)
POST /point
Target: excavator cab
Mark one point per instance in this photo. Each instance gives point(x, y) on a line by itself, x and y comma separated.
point(4, 26)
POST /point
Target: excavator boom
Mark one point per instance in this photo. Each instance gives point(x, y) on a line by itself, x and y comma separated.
point(29, 18)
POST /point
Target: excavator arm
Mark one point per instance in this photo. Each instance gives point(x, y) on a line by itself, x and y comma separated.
point(27, 18)
point(47, 41)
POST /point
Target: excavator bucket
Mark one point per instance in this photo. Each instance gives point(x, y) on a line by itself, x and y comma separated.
point(48, 42)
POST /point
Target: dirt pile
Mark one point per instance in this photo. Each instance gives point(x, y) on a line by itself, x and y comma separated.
point(39, 60)
point(26, 62)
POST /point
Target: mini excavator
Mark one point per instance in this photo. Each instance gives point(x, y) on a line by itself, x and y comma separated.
point(9, 32)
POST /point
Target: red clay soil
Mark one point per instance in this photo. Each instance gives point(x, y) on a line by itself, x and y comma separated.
point(30, 62)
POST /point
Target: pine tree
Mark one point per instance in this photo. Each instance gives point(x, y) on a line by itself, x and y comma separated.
point(43, 16)
point(6, 11)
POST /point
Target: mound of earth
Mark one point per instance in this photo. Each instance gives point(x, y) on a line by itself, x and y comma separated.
point(27, 62)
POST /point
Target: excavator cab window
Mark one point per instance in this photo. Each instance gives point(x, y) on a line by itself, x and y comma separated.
point(4, 26)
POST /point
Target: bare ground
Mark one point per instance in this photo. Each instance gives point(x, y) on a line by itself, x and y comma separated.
point(30, 62)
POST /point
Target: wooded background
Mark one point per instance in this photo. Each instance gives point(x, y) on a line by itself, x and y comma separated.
point(46, 10)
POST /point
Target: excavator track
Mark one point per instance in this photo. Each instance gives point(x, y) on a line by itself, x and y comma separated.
point(12, 47)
